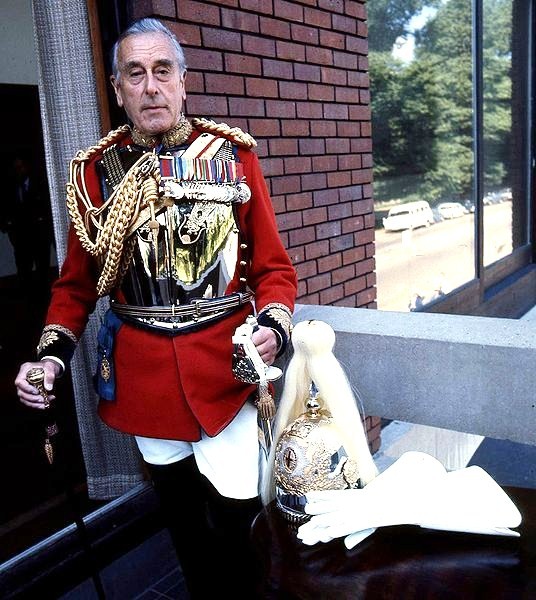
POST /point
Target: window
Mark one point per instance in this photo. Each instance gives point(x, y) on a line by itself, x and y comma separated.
point(450, 102)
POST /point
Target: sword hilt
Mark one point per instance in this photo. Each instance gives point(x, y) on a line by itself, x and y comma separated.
point(36, 377)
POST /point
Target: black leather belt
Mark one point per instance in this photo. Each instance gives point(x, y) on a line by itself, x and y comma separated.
point(193, 311)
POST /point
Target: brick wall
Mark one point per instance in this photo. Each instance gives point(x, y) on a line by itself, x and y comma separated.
point(295, 75)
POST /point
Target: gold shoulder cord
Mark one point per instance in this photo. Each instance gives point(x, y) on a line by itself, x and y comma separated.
point(235, 134)
point(109, 224)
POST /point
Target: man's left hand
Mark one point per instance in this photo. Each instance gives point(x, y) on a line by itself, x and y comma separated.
point(265, 341)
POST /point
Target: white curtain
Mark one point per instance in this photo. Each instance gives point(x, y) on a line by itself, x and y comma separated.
point(70, 117)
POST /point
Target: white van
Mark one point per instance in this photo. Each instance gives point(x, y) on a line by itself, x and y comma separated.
point(409, 216)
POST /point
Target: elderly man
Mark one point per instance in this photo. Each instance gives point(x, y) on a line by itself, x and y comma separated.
point(173, 221)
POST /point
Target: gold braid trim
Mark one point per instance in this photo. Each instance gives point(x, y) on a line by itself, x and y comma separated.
point(235, 134)
point(103, 231)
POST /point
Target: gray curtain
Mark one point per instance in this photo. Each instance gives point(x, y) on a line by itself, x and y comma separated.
point(70, 117)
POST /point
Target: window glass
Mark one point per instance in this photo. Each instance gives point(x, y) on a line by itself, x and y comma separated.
point(503, 144)
point(421, 94)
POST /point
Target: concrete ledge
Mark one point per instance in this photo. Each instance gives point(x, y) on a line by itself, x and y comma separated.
point(470, 374)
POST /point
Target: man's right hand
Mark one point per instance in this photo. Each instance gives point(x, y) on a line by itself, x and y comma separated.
point(27, 393)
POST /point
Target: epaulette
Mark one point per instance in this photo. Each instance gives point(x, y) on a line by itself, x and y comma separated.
point(234, 134)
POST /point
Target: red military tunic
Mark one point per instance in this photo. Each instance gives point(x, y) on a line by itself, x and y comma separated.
point(171, 387)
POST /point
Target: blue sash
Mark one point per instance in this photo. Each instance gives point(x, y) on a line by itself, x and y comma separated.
point(104, 379)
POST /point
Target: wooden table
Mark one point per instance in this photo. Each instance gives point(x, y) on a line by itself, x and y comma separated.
point(401, 563)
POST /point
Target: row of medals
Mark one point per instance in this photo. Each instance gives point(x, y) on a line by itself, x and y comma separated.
point(199, 191)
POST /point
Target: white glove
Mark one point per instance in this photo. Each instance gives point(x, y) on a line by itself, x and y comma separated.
point(415, 490)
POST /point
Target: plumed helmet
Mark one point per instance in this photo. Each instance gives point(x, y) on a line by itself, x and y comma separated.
point(310, 455)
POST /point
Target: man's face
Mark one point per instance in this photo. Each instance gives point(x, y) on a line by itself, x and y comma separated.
point(150, 86)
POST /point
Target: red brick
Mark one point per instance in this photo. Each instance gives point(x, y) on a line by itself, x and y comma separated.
point(349, 161)
point(312, 216)
point(265, 88)
point(198, 12)
point(320, 282)
point(363, 63)
point(187, 34)
point(195, 82)
point(371, 279)
point(366, 297)
point(302, 33)
point(312, 146)
point(257, 45)
point(331, 295)
point(364, 236)
point(281, 109)
point(353, 224)
point(348, 302)
point(337, 146)
point(278, 202)
point(364, 96)
point(277, 68)
point(322, 56)
point(207, 105)
point(293, 90)
point(336, 111)
point(321, 92)
point(305, 270)
point(299, 201)
point(328, 230)
point(238, 19)
point(355, 9)
point(370, 250)
point(362, 29)
point(227, 2)
point(285, 185)
point(297, 255)
point(358, 79)
point(248, 107)
point(239, 63)
point(345, 60)
point(314, 181)
point(272, 167)
point(297, 164)
point(260, 6)
point(340, 211)
point(275, 28)
point(353, 255)
point(309, 298)
point(363, 207)
point(283, 147)
point(264, 127)
point(367, 191)
point(341, 243)
point(232, 84)
point(339, 179)
point(362, 176)
point(164, 8)
point(348, 129)
point(305, 235)
point(332, 5)
point(369, 221)
point(366, 160)
point(309, 110)
point(325, 197)
point(343, 274)
point(334, 76)
point(366, 129)
point(351, 193)
point(288, 10)
point(324, 163)
point(329, 263)
point(204, 60)
point(295, 128)
point(356, 44)
point(306, 72)
point(317, 249)
point(346, 24)
point(262, 145)
point(289, 220)
point(356, 285)
point(332, 39)
point(323, 129)
point(317, 18)
point(361, 145)
point(221, 39)
point(290, 51)
point(346, 95)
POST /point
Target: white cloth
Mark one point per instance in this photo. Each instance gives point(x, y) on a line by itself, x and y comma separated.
point(229, 460)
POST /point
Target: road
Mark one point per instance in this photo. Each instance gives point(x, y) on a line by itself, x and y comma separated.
point(440, 258)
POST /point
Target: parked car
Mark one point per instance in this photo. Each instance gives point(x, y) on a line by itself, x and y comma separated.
point(409, 216)
point(451, 210)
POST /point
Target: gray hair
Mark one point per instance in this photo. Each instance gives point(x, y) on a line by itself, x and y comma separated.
point(148, 26)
